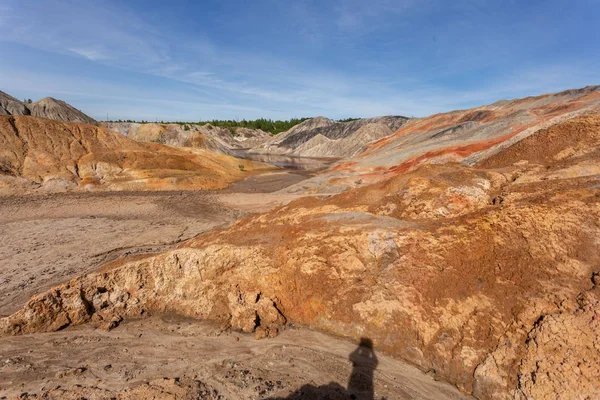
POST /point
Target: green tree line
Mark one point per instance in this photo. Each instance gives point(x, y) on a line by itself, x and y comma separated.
point(267, 125)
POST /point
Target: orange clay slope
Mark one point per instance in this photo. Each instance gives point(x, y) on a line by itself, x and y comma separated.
point(466, 136)
point(488, 276)
point(38, 153)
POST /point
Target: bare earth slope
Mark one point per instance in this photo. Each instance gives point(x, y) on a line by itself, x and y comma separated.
point(214, 138)
point(41, 153)
point(321, 146)
point(299, 139)
point(466, 136)
point(487, 276)
point(11, 106)
point(47, 107)
point(58, 110)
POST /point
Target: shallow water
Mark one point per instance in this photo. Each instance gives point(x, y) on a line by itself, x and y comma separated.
point(285, 161)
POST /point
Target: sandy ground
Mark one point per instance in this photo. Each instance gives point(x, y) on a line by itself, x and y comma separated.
point(48, 239)
point(234, 365)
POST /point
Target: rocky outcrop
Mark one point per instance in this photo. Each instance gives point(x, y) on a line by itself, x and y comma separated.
point(309, 125)
point(38, 153)
point(346, 136)
point(47, 107)
point(248, 138)
point(58, 110)
point(177, 282)
point(321, 146)
point(485, 276)
point(561, 352)
point(11, 106)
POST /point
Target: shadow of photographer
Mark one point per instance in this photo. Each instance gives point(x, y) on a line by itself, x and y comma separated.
point(360, 385)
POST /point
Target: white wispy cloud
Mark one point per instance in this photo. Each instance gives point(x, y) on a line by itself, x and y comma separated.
point(90, 53)
point(94, 30)
point(223, 80)
point(360, 17)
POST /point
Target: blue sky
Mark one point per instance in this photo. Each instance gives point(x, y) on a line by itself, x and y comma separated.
point(268, 58)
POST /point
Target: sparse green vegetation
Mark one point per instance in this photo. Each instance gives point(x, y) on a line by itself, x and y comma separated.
point(267, 125)
point(241, 167)
point(348, 119)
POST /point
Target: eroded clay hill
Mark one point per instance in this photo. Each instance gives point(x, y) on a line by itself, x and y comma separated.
point(38, 153)
point(11, 106)
point(221, 140)
point(486, 275)
point(466, 136)
point(323, 137)
point(58, 110)
point(47, 107)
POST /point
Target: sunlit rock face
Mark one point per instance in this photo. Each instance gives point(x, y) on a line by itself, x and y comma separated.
point(465, 136)
point(39, 153)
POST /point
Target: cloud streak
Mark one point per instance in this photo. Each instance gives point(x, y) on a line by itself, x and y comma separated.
point(353, 58)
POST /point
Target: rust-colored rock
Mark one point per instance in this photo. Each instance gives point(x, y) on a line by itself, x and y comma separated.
point(38, 153)
point(485, 276)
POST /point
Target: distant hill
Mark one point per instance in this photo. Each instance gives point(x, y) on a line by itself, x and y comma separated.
point(47, 107)
point(39, 153)
point(11, 106)
point(323, 137)
point(215, 138)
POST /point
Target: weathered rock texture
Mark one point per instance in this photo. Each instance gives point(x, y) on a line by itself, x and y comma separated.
point(466, 136)
point(322, 137)
point(217, 139)
point(41, 153)
point(321, 146)
point(47, 107)
point(58, 110)
point(166, 388)
point(11, 106)
point(485, 275)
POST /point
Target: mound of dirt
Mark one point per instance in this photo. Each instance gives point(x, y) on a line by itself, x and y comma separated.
point(321, 146)
point(248, 138)
point(295, 141)
point(309, 125)
point(52, 155)
point(11, 106)
point(45, 108)
point(486, 278)
point(217, 139)
point(58, 110)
